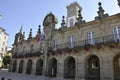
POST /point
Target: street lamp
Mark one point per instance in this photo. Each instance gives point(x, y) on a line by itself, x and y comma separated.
point(118, 2)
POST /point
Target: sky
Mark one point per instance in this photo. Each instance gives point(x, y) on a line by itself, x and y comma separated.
point(31, 13)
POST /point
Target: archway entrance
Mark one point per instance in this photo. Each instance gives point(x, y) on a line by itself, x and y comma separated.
point(92, 68)
point(116, 64)
point(29, 67)
point(14, 66)
point(53, 67)
point(39, 67)
point(21, 66)
point(69, 68)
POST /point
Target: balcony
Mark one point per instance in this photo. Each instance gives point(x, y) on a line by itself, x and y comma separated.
point(28, 53)
point(106, 40)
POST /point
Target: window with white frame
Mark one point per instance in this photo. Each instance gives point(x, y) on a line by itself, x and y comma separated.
point(2, 49)
point(55, 44)
point(71, 22)
point(91, 38)
point(116, 33)
point(23, 49)
point(70, 42)
point(31, 50)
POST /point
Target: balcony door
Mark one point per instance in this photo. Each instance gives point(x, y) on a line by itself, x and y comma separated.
point(91, 38)
point(70, 42)
point(116, 34)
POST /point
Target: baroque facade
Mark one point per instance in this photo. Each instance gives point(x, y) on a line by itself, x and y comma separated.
point(78, 50)
point(3, 44)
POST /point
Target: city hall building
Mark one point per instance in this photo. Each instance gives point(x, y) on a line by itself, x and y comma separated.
point(78, 50)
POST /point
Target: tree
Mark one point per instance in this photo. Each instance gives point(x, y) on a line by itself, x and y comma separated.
point(6, 60)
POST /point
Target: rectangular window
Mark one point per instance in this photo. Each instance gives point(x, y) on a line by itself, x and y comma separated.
point(23, 49)
point(116, 33)
point(5, 37)
point(71, 22)
point(70, 42)
point(55, 44)
point(31, 50)
point(3, 43)
point(2, 49)
point(91, 38)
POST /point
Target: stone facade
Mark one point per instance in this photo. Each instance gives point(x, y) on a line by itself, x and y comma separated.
point(85, 51)
point(3, 44)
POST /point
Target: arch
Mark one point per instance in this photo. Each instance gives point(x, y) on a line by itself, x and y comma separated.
point(14, 68)
point(69, 67)
point(21, 63)
point(116, 64)
point(29, 67)
point(39, 67)
point(52, 67)
point(92, 68)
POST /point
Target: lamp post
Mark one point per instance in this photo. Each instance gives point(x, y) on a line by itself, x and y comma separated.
point(118, 2)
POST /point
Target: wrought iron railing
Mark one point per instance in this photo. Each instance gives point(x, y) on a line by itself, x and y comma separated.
point(84, 43)
point(28, 53)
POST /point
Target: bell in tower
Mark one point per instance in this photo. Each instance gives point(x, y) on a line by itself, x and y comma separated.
point(72, 13)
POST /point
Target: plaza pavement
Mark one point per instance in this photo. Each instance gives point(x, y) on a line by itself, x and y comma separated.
point(16, 76)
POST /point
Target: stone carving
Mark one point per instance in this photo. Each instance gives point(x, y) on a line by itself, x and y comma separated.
point(100, 12)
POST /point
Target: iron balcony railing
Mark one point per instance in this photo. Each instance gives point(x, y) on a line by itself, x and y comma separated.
point(28, 53)
point(83, 43)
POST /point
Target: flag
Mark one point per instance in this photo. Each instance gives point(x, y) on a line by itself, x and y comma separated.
point(38, 37)
point(42, 37)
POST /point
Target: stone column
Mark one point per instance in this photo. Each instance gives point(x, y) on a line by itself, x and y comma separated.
point(33, 67)
point(60, 69)
point(80, 71)
point(11, 65)
point(25, 66)
point(45, 58)
point(106, 68)
point(17, 67)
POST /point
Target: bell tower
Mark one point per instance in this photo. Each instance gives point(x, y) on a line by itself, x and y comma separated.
point(72, 13)
point(49, 24)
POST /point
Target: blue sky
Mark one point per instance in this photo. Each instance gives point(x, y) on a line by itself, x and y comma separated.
point(30, 13)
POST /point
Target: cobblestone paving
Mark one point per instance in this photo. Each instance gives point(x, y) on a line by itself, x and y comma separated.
point(16, 76)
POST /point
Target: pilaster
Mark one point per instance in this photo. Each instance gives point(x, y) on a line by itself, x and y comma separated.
point(106, 69)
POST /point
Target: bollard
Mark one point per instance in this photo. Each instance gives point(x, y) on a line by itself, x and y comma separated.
point(2, 78)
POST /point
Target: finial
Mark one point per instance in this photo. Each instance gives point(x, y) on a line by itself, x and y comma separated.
point(99, 3)
point(30, 34)
point(79, 16)
point(23, 35)
point(118, 2)
point(63, 21)
point(100, 12)
point(39, 30)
